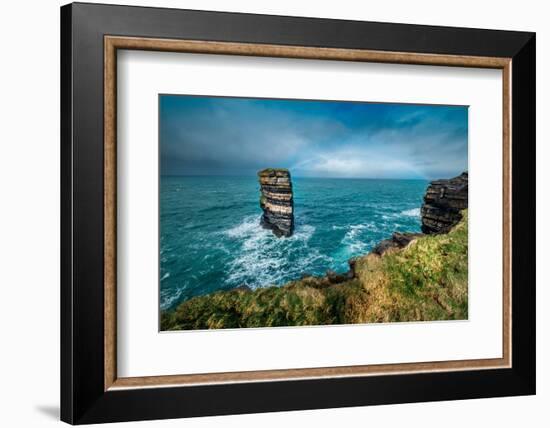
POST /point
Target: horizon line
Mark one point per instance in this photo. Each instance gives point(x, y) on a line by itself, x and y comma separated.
point(301, 176)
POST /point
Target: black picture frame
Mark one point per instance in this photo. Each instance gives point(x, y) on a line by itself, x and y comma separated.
point(83, 398)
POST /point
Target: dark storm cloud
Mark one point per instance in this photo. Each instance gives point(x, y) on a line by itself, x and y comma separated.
point(238, 136)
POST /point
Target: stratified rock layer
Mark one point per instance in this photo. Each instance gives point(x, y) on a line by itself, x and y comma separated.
point(276, 201)
point(443, 202)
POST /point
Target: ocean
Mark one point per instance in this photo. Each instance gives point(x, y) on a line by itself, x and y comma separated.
point(211, 238)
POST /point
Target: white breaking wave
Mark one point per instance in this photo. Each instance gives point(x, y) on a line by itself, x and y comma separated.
point(263, 259)
point(353, 241)
point(167, 297)
point(415, 212)
point(245, 228)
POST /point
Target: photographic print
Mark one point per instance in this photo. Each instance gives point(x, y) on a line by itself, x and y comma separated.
point(288, 212)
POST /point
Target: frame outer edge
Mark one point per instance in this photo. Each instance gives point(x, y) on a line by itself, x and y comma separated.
point(298, 30)
point(83, 397)
point(66, 181)
point(524, 216)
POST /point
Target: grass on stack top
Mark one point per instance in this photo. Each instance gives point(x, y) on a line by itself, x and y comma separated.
point(268, 171)
point(427, 280)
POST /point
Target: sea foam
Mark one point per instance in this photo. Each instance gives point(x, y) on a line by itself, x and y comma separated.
point(415, 212)
point(354, 241)
point(263, 259)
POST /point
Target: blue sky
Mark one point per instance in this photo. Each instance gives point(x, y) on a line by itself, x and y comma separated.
point(239, 136)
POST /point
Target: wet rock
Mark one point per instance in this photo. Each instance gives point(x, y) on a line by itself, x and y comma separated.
point(335, 278)
point(277, 201)
point(443, 202)
point(397, 240)
point(351, 272)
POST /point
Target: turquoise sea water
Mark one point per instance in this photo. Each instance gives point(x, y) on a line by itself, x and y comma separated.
point(211, 239)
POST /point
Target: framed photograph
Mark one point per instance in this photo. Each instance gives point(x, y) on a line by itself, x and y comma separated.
point(265, 213)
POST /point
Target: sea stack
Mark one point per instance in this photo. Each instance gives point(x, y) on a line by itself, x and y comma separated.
point(443, 202)
point(276, 201)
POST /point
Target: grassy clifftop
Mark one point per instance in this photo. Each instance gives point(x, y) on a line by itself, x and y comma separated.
point(427, 280)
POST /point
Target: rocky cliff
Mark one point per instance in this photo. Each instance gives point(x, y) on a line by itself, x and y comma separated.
point(443, 202)
point(276, 201)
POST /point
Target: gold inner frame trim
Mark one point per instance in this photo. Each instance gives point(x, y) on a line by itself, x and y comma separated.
point(113, 43)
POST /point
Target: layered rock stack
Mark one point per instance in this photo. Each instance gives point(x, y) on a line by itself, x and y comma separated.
point(276, 201)
point(443, 202)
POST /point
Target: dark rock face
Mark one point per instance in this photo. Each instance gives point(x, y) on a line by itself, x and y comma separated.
point(443, 202)
point(351, 272)
point(398, 240)
point(276, 201)
point(336, 278)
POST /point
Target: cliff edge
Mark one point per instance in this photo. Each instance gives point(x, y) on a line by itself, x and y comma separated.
point(441, 210)
point(443, 202)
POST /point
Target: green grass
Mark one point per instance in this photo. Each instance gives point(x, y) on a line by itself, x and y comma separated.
point(268, 171)
point(428, 280)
